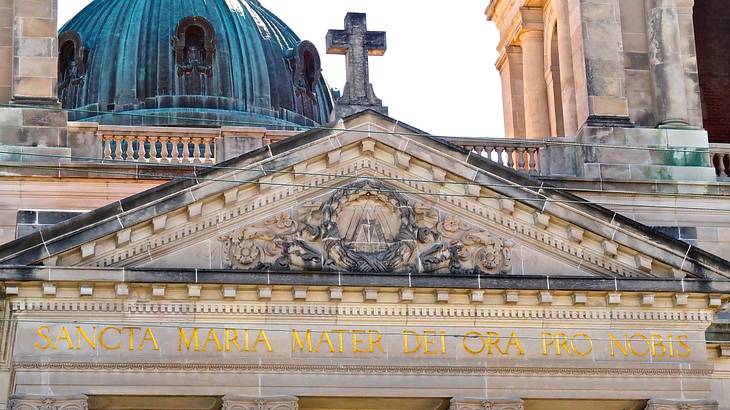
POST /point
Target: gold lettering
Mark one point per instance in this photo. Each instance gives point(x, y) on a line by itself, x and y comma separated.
point(212, 337)
point(131, 336)
point(547, 340)
point(297, 341)
point(80, 333)
point(325, 337)
point(43, 333)
point(340, 337)
point(671, 346)
point(261, 338)
point(561, 343)
point(515, 341)
point(585, 338)
point(148, 337)
point(473, 335)
point(406, 345)
point(442, 335)
point(232, 339)
point(428, 340)
point(681, 339)
point(63, 334)
point(644, 339)
point(182, 338)
point(493, 341)
point(245, 340)
point(375, 342)
point(617, 343)
point(357, 341)
point(657, 341)
point(102, 341)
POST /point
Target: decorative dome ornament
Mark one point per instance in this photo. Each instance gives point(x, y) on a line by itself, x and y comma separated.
point(194, 43)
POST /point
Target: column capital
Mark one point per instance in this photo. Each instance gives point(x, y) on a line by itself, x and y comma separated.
point(39, 402)
point(236, 402)
point(666, 404)
point(462, 403)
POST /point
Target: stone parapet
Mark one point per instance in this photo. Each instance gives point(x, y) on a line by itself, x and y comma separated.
point(33, 402)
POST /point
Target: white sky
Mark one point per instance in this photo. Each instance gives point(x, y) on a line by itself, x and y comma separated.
point(438, 73)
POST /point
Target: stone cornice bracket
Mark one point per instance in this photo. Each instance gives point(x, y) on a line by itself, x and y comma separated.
point(34, 402)
point(662, 404)
point(235, 402)
point(459, 403)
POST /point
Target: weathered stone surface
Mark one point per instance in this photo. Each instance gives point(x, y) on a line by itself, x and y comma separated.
point(357, 43)
point(232, 402)
point(34, 402)
point(486, 404)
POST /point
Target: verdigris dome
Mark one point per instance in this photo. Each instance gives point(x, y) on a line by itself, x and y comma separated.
point(188, 62)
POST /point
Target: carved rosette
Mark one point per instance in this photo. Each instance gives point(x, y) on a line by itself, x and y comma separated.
point(366, 227)
point(29, 402)
point(486, 404)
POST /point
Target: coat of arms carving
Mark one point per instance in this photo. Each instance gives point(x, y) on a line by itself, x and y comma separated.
point(366, 226)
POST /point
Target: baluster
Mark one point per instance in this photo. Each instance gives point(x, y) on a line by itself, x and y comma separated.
point(500, 155)
point(165, 154)
point(196, 151)
point(206, 155)
point(510, 157)
point(175, 154)
point(727, 168)
point(141, 150)
point(130, 147)
point(153, 148)
point(521, 159)
point(117, 148)
point(107, 143)
point(186, 150)
point(721, 171)
point(532, 152)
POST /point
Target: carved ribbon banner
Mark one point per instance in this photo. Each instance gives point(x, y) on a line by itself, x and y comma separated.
point(366, 227)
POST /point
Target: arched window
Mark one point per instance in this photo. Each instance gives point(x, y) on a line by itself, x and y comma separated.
point(194, 43)
point(555, 89)
point(306, 68)
point(71, 60)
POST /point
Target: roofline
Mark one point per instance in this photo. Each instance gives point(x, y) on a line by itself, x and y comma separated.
point(20, 274)
point(103, 221)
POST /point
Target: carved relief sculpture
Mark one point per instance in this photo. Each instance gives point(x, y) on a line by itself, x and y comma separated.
point(71, 62)
point(366, 227)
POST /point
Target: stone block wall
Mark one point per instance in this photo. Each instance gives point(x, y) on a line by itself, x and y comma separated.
point(35, 46)
point(6, 50)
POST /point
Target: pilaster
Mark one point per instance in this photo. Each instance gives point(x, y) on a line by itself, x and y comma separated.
point(598, 62)
point(661, 404)
point(531, 38)
point(235, 402)
point(460, 403)
point(567, 80)
point(32, 402)
point(511, 71)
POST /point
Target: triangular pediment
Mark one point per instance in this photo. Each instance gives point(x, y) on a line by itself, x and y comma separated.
point(365, 198)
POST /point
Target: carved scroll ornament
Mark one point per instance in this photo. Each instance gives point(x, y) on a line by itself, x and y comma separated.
point(366, 227)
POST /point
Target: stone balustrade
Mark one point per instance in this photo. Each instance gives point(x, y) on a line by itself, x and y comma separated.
point(720, 157)
point(149, 146)
point(518, 154)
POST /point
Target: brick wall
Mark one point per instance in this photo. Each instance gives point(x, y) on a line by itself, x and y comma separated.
point(712, 33)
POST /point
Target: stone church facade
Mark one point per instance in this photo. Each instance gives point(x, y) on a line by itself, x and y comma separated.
point(204, 226)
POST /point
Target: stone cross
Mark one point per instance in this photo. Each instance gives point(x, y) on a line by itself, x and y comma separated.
point(357, 43)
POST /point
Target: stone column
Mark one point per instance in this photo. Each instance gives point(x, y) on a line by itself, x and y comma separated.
point(660, 404)
point(665, 60)
point(235, 402)
point(35, 53)
point(567, 80)
point(598, 63)
point(537, 116)
point(510, 70)
point(33, 402)
point(460, 403)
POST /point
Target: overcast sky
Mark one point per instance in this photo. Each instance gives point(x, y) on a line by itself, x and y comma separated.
point(438, 73)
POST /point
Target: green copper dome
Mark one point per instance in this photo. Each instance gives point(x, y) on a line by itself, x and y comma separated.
point(188, 62)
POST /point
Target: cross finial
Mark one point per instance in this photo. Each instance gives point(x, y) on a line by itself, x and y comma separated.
point(357, 43)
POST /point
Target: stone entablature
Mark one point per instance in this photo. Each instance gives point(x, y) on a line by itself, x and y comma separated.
point(37, 402)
